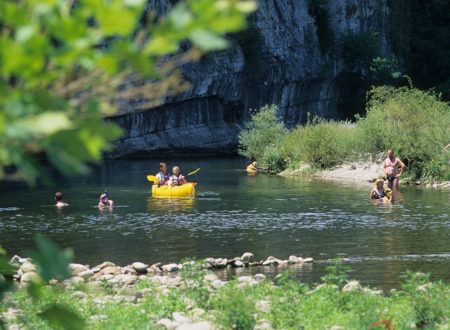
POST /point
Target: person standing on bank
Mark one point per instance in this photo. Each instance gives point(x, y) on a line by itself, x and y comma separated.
point(393, 168)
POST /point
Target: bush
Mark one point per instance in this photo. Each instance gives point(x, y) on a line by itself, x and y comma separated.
point(414, 123)
point(261, 138)
point(322, 143)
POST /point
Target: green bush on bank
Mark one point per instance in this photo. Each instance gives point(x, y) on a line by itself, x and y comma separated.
point(262, 139)
point(414, 123)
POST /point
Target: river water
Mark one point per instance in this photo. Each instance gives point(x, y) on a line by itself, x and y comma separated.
point(234, 213)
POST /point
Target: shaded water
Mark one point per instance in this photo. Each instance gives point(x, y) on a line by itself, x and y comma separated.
point(234, 213)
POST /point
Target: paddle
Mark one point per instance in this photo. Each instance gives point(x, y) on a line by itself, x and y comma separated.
point(153, 178)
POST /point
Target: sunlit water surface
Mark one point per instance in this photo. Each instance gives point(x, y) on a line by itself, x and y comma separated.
point(234, 213)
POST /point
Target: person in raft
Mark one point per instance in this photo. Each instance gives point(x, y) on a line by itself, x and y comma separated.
point(252, 167)
point(381, 194)
point(104, 201)
point(59, 200)
point(177, 179)
point(393, 167)
point(162, 176)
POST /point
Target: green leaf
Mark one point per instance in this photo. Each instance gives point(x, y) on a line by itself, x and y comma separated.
point(52, 262)
point(207, 40)
point(62, 318)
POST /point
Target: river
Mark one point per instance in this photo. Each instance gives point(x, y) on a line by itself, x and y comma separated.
point(234, 213)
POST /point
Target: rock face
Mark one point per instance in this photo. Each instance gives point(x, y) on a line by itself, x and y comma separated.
point(285, 57)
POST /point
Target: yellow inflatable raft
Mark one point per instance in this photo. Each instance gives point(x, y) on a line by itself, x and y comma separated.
point(185, 190)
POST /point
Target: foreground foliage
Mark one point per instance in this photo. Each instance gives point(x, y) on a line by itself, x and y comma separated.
point(287, 305)
point(416, 124)
point(62, 64)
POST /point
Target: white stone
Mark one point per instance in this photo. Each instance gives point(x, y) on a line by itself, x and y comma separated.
point(28, 267)
point(139, 267)
point(86, 275)
point(238, 263)
point(217, 284)
point(180, 318)
point(76, 269)
point(352, 286)
point(170, 267)
point(260, 277)
point(245, 279)
point(168, 324)
point(28, 277)
point(263, 325)
point(124, 278)
point(76, 280)
point(112, 270)
point(210, 277)
point(247, 257)
point(80, 295)
point(308, 260)
point(262, 306)
point(293, 260)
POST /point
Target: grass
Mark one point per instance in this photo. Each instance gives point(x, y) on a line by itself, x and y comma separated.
point(289, 304)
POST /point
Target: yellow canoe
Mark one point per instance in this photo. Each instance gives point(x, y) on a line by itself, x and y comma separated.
point(185, 190)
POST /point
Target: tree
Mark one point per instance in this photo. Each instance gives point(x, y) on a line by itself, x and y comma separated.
point(63, 62)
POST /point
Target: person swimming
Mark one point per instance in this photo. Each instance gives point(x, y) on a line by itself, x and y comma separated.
point(104, 201)
point(379, 193)
point(59, 200)
point(177, 179)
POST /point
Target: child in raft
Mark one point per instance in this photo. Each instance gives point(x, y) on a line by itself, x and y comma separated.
point(104, 201)
point(177, 179)
point(381, 194)
point(59, 200)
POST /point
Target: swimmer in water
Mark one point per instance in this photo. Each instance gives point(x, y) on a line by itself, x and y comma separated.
point(104, 201)
point(59, 200)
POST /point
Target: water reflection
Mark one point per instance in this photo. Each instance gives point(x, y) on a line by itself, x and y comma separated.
point(170, 205)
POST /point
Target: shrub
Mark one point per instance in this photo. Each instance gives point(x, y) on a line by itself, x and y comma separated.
point(322, 143)
point(412, 122)
point(262, 138)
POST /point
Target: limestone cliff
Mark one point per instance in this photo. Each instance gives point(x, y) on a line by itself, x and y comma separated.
point(287, 56)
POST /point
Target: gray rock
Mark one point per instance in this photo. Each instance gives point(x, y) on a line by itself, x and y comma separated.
point(28, 277)
point(245, 279)
point(247, 257)
point(167, 323)
point(86, 275)
point(180, 318)
point(293, 260)
point(28, 267)
point(262, 306)
point(130, 299)
point(306, 260)
point(111, 270)
point(263, 325)
point(124, 279)
point(170, 267)
point(76, 269)
point(260, 277)
point(238, 263)
point(210, 277)
point(221, 262)
point(139, 267)
point(352, 286)
point(76, 280)
point(217, 284)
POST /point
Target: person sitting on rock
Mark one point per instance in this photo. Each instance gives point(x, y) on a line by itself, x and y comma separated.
point(177, 179)
point(104, 201)
point(59, 200)
point(381, 194)
point(162, 176)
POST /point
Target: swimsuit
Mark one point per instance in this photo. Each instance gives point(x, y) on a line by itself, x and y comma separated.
point(377, 194)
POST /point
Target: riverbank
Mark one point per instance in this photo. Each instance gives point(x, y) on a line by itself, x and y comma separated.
point(358, 172)
point(195, 298)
